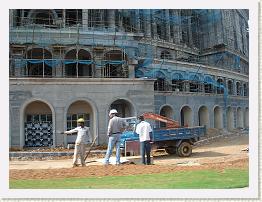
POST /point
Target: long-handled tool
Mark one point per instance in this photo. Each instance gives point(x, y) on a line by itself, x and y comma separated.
point(91, 147)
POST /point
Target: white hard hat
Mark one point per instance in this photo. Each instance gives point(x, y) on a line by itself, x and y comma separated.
point(112, 111)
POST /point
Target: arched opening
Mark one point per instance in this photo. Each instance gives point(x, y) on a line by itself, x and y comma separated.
point(46, 17)
point(220, 86)
point(79, 109)
point(208, 85)
point(78, 63)
point(194, 84)
point(177, 83)
point(161, 85)
point(240, 120)
point(186, 116)
point(203, 116)
point(166, 111)
point(230, 87)
point(37, 63)
point(245, 90)
point(165, 55)
point(73, 17)
point(38, 125)
point(246, 118)
point(230, 119)
point(123, 107)
point(115, 65)
point(218, 118)
point(238, 88)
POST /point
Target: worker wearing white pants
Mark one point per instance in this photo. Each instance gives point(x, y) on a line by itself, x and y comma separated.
point(79, 149)
point(83, 137)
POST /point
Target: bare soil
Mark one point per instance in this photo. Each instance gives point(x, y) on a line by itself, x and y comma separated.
point(226, 152)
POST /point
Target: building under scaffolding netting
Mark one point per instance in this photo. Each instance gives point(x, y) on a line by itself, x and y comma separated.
point(188, 65)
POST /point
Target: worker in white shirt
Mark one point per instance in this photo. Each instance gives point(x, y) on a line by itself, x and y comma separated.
point(116, 126)
point(144, 130)
point(83, 137)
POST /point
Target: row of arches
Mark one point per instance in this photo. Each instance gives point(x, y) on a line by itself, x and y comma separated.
point(204, 116)
point(76, 63)
point(38, 118)
point(195, 85)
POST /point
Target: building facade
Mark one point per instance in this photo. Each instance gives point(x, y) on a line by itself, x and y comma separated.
point(188, 65)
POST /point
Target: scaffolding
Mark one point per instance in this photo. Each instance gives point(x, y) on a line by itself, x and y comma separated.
point(107, 40)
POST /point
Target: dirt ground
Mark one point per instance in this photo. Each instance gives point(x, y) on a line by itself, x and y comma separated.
point(225, 152)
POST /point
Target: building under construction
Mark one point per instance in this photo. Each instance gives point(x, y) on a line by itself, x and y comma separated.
point(188, 65)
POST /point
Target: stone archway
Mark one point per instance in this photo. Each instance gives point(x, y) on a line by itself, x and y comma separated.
point(246, 118)
point(79, 109)
point(218, 118)
point(203, 116)
point(230, 119)
point(166, 111)
point(240, 120)
point(123, 107)
point(186, 116)
point(38, 125)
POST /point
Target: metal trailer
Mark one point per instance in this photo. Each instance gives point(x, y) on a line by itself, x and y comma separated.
point(174, 140)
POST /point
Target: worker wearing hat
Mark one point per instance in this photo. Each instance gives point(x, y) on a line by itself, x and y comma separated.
point(83, 137)
point(144, 130)
point(116, 126)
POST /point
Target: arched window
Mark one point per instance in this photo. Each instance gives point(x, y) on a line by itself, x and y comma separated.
point(245, 90)
point(194, 84)
point(165, 55)
point(238, 88)
point(220, 87)
point(45, 17)
point(230, 87)
point(78, 63)
point(37, 64)
point(161, 85)
point(177, 82)
point(73, 16)
point(115, 64)
point(208, 85)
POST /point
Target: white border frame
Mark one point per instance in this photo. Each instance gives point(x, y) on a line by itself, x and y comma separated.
point(245, 193)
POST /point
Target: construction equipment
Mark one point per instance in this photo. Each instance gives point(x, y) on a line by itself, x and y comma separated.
point(88, 152)
point(174, 139)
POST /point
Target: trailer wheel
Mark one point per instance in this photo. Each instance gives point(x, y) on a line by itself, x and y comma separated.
point(170, 150)
point(184, 149)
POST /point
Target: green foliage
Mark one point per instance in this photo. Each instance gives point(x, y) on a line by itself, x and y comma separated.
point(200, 179)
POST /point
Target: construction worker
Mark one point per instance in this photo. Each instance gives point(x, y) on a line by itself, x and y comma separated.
point(144, 130)
point(116, 126)
point(83, 137)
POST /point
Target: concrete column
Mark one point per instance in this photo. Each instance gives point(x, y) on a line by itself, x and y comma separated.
point(64, 17)
point(60, 126)
point(154, 27)
point(12, 15)
point(177, 26)
point(17, 135)
point(167, 17)
point(137, 20)
point(190, 37)
point(111, 19)
point(131, 71)
point(147, 22)
point(23, 17)
point(85, 18)
point(120, 20)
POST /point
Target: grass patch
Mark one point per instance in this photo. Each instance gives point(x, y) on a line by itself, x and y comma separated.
point(200, 179)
